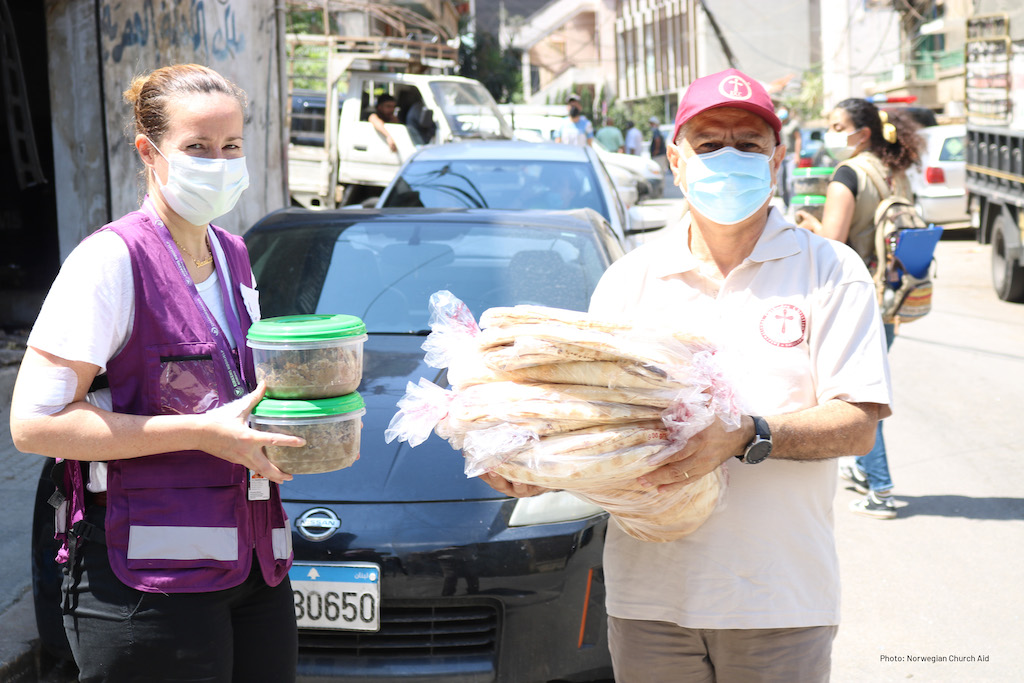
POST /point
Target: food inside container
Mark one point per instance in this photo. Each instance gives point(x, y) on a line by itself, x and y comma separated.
point(330, 426)
point(811, 203)
point(813, 180)
point(308, 356)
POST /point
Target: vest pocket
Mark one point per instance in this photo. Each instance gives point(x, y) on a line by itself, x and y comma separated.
point(185, 378)
point(183, 511)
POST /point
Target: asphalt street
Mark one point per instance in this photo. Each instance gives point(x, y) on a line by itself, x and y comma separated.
point(934, 595)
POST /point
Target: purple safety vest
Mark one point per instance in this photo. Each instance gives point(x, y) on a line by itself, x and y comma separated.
point(182, 522)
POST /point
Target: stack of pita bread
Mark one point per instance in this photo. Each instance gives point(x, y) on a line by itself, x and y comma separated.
point(563, 400)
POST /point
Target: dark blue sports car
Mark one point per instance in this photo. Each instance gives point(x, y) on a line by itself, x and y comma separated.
point(405, 569)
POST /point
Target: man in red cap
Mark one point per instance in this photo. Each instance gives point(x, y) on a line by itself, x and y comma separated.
point(753, 593)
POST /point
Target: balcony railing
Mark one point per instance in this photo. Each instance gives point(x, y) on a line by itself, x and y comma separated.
point(925, 67)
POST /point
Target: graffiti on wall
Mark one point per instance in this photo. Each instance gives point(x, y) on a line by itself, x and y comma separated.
point(196, 26)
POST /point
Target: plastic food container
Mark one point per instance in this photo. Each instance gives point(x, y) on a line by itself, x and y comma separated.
point(813, 180)
point(308, 356)
point(330, 426)
point(813, 204)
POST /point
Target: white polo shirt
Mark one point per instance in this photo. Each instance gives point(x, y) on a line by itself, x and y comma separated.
point(797, 324)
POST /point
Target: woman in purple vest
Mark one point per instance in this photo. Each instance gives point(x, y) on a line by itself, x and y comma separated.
point(138, 378)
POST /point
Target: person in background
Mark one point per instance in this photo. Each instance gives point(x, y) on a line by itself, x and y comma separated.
point(874, 150)
point(384, 112)
point(418, 119)
point(658, 145)
point(753, 593)
point(576, 128)
point(610, 137)
point(634, 139)
point(137, 378)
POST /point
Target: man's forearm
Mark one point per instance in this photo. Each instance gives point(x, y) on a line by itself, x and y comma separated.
point(831, 430)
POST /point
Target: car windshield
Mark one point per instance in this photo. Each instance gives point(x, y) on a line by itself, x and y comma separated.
point(470, 110)
point(385, 272)
point(499, 184)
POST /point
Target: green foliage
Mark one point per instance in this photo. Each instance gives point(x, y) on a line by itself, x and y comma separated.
point(637, 111)
point(806, 104)
point(482, 57)
point(309, 67)
point(305, 21)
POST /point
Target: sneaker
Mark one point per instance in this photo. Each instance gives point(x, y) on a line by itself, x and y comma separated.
point(852, 473)
point(873, 505)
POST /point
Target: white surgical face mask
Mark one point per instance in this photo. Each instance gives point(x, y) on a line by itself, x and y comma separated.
point(200, 190)
point(837, 144)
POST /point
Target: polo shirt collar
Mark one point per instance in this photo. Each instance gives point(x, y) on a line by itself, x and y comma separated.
point(776, 241)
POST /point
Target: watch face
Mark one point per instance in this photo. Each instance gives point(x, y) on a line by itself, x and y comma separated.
point(758, 451)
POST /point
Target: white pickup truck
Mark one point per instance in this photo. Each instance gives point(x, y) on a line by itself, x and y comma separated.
point(356, 163)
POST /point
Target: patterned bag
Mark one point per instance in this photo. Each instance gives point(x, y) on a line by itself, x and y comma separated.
point(904, 254)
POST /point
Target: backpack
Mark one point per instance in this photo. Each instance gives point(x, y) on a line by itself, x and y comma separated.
point(904, 255)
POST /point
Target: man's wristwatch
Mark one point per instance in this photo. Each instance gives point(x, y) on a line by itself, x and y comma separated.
point(761, 447)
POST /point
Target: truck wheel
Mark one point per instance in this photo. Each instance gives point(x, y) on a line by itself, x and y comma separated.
point(1007, 273)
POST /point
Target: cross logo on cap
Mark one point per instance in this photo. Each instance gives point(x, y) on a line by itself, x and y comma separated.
point(735, 88)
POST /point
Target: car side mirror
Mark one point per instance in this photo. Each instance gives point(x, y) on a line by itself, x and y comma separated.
point(646, 219)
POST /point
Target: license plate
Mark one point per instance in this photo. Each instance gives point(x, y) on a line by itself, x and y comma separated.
point(343, 597)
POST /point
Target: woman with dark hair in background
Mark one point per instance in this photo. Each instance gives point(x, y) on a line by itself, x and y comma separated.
point(874, 149)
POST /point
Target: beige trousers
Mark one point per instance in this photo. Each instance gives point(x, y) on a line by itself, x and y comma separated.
point(661, 652)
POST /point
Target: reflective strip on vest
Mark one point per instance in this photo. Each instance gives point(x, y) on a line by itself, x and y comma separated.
point(183, 543)
point(282, 541)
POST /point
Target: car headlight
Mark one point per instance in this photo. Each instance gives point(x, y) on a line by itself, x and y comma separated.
point(551, 507)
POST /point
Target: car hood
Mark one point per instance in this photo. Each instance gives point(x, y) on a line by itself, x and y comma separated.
point(385, 472)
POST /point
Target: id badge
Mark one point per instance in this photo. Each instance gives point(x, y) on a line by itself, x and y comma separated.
point(259, 486)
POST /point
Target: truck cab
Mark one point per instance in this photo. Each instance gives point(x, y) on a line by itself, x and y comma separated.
point(336, 156)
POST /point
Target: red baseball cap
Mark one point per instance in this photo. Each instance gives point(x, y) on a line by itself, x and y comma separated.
point(729, 88)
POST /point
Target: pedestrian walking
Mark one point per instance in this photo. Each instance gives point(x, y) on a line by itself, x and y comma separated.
point(657, 148)
point(137, 377)
point(610, 137)
point(576, 128)
point(634, 139)
point(874, 150)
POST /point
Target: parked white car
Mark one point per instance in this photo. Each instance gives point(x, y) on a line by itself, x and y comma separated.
point(939, 185)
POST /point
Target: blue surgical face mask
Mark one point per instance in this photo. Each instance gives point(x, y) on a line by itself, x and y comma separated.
point(727, 186)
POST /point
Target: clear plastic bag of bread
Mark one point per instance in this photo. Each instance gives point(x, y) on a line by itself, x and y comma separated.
point(567, 401)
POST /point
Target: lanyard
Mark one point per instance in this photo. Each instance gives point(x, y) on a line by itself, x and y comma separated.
point(224, 351)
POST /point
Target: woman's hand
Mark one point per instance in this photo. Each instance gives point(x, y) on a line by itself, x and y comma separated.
point(227, 435)
point(807, 221)
point(513, 489)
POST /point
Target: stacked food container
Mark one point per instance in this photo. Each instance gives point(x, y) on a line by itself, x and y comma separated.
point(312, 365)
point(809, 189)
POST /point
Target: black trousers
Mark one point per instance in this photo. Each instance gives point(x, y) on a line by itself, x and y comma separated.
point(121, 635)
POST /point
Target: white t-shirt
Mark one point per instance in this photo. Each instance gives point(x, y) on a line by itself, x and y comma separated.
point(634, 140)
point(797, 325)
point(89, 312)
point(575, 132)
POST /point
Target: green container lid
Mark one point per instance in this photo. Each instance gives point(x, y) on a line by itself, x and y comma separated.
point(813, 171)
point(306, 328)
point(322, 407)
point(808, 199)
